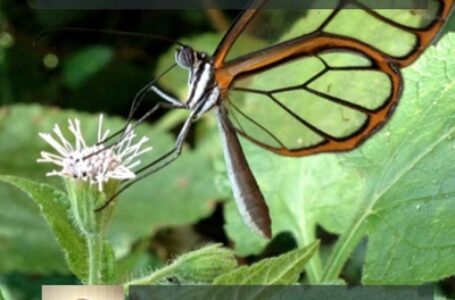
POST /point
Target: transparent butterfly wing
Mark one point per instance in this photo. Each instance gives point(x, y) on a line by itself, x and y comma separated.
point(329, 99)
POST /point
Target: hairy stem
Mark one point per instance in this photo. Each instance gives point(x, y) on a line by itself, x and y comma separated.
point(95, 258)
point(154, 277)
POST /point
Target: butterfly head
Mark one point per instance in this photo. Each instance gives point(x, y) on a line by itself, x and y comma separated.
point(187, 58)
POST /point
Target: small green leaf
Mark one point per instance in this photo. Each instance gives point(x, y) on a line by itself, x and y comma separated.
point(284, 269)
point(54, 205)
point(199, 266)
point(203, 265)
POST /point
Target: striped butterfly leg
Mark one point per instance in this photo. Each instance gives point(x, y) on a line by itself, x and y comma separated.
point(247, 195)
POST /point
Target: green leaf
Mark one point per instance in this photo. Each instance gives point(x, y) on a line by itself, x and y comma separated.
point(411, 191)
point(22, 229)
point(284, 269)
point(397, 188)
point(85, 63)
point(180, 194)
point(54, 205)
point(108, 271)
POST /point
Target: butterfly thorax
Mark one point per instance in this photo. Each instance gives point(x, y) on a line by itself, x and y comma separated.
point(204, 92)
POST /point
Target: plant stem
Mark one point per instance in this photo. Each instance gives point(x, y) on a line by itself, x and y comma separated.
point(344, 247)
point(154, 277)
point(314, 265)
point(95, 258)
point(305, 235)
point(83, 200)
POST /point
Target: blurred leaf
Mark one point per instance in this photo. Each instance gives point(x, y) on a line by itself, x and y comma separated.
point(91, 95)
point(28, 286)
point(18, 78)
point(85, 63)
point(53, 205)
point(180, 194)
point(284, 269)
point(135, 262)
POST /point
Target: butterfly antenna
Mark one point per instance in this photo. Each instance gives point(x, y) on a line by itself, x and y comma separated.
point(40, 36)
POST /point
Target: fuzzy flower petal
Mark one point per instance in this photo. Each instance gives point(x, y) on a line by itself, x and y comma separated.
point(96, 164)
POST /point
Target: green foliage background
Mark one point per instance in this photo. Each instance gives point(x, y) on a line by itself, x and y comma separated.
point(389, 204)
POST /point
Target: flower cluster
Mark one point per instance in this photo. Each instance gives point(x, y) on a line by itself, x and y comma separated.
point(96, 164)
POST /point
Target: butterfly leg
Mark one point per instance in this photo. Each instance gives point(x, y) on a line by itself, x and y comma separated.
point(143, 92)
point(165, 96)
point(140, 121)
point(169, 103)
point(159, 163)
point(126, 130)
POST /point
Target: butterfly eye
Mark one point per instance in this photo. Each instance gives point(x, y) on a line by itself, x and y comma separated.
point(185, 57)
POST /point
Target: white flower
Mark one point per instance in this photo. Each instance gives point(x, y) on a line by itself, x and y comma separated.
point(96, 164)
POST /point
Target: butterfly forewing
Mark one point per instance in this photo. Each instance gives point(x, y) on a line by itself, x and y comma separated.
point(399, 33)
point(328, 97)
point(325, 81)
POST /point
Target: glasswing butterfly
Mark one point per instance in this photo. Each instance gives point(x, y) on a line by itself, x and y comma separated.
point(274, 95)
